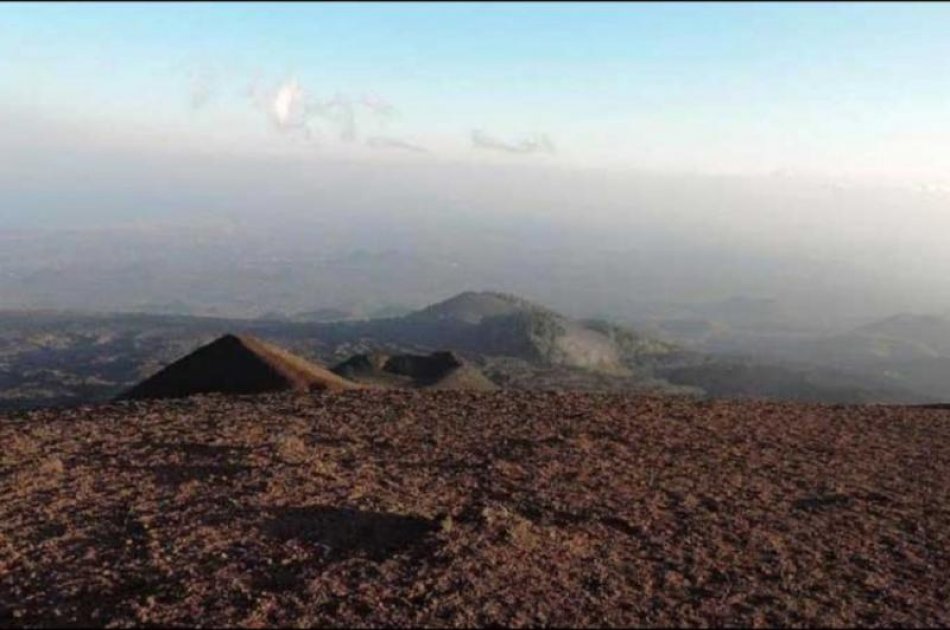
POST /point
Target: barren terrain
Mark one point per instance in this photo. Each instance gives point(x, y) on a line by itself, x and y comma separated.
point(372, 508)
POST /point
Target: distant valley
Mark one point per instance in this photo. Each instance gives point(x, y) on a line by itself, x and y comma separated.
point(61, 358)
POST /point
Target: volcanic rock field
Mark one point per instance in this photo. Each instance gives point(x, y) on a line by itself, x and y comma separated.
point(461, 508)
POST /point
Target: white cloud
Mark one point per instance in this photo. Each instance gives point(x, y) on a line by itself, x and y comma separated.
point(287, 107)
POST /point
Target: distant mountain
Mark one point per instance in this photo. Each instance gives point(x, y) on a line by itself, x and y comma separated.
point(330, 314)
point(68, 358)
point(498, 324)
point(325, 315)
point(738, 378)
point(899, 359)
point(56, 358)
point(439, 370)
point(236, 365)
point(911, 351)
point(928, 335)
point(694, 334)
point(927, 375)
point(473, 307)
point(744, 312)
point(899, 338)
point(738, 325)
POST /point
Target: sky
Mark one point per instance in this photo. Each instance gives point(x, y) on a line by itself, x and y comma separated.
point(705, 150)
point(846, 90)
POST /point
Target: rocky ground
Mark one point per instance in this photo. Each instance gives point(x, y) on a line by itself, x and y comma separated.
point(375, 508)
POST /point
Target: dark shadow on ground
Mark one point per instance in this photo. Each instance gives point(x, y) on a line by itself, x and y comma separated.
point(200, 450)
point(822, 502)
point(346, 532)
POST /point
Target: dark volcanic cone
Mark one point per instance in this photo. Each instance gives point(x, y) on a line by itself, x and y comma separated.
point(439, 370)
point(237, 365)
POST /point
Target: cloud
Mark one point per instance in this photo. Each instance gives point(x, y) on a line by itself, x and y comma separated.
point(538, 143)
point(287, 107)
point(200, 90)
point(344, 112)
point(290, 108)
point(384, 142)
point(256, 94)
point(202, 80)
point(380, 107)
point(339, 111)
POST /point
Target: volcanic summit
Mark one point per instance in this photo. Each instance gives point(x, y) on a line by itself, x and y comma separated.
point(237, 364)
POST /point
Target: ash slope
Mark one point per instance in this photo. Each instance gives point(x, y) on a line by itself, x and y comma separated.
point(408, 507)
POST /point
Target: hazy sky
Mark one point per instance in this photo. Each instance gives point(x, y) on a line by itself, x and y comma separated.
point(703, 150)
point(839, 90)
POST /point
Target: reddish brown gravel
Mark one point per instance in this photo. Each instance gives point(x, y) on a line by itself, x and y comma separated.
point(370, 508)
